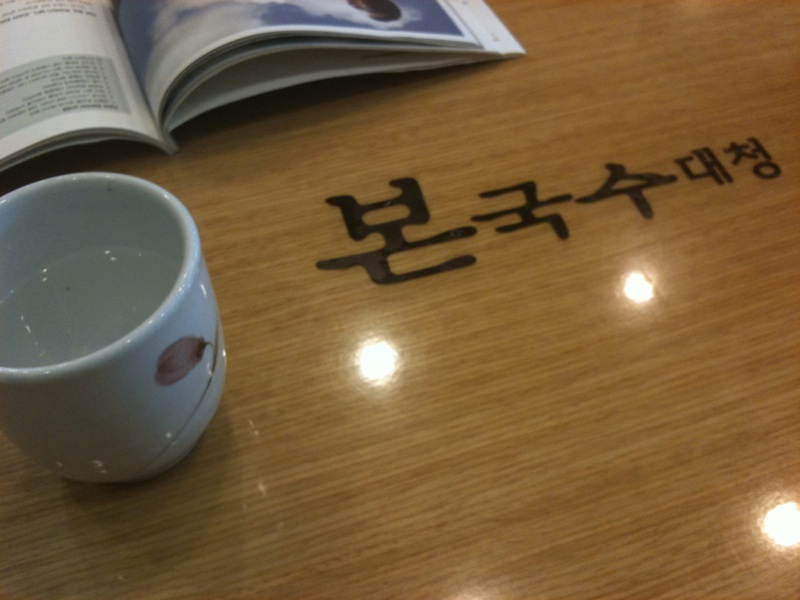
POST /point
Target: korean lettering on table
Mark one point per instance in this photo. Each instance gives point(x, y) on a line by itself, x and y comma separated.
point(700, 163)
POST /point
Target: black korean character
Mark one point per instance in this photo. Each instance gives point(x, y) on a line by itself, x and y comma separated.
point(525, 212)
point(766, 169)
point(637, 184)
point(713, 167)
point(376, 262)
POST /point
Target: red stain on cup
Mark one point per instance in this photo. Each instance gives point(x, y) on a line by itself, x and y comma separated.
point(179, 359)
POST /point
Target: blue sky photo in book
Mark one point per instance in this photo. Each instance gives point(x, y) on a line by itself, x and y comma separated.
point(163, 34)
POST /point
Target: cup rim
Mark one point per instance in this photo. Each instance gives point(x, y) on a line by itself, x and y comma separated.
point(190, 265)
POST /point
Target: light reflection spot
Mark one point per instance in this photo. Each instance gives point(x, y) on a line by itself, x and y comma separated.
point(638, 288)
point(252, 427)
point(782, 524)
point(377, 361)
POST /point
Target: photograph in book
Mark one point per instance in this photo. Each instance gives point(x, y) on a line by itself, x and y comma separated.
point(164, 37)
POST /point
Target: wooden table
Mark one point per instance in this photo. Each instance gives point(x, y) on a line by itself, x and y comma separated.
point(603, 405)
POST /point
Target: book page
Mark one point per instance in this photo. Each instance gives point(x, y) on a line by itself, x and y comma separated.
point(167, 37)
point(485, 26)
point(63, 70)
point(256, 72)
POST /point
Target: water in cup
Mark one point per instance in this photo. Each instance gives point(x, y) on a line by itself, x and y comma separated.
point(81, 303)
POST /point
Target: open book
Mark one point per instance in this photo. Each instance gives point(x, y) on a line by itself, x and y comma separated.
point(75, 71)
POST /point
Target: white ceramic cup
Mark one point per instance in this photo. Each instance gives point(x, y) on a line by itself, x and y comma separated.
point(112, 359)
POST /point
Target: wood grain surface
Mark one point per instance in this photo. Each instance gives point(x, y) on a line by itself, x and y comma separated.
point(607, 414)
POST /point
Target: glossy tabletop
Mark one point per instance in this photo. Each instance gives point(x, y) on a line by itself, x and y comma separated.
point(576, 375)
